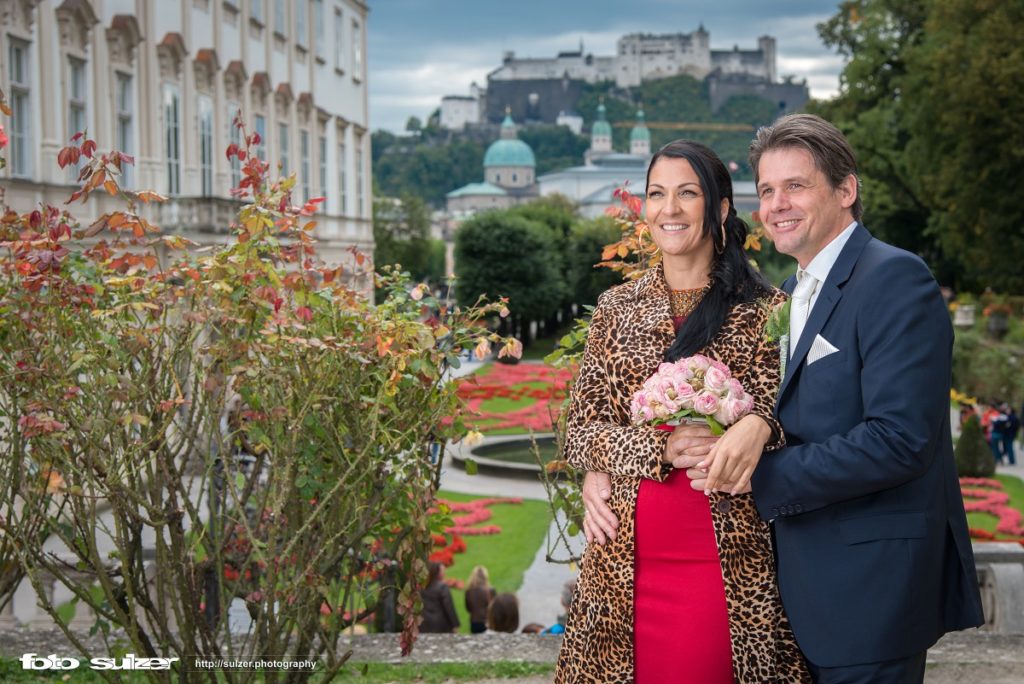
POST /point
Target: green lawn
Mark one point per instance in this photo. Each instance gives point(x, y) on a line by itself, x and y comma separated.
point(506, 555)
point(1013, 486)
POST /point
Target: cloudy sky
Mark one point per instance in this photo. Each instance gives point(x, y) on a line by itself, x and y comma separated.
point(421, 50)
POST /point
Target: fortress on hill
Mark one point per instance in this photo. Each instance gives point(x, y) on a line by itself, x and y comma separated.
point(546, 88)
point(643, 57)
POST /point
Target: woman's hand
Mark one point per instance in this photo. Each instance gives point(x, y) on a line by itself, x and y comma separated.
point(731, 462)
point(599, 523)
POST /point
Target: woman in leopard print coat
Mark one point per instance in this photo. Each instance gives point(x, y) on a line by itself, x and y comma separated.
point(632, 331)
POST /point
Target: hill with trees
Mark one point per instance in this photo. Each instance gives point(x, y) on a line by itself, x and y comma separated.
point(429, 162)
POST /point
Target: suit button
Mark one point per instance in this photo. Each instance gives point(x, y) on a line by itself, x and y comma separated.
point(724, 505)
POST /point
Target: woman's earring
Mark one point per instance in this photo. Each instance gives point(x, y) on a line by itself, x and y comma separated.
point(723, 240)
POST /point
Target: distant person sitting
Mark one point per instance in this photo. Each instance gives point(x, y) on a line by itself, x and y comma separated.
point(479, 594)
point(503, 614)
point(533, 628)
point(438, 610)
point(568, 589)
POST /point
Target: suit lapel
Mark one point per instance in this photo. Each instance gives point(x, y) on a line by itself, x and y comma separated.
point(828, 298)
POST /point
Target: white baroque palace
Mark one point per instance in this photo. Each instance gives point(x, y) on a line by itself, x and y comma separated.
point(161, 80)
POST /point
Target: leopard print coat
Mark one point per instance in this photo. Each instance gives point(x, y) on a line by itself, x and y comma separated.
point(630, 330)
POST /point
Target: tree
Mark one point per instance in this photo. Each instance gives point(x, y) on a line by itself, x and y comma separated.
point(928, 99)
point(401, 231)
point(501, 254)
point(413, 125)
point(973, 457)
point(962, 106)
point(583, 251)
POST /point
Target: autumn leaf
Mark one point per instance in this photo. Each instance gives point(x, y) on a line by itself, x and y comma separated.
point(148, 196)
point(96, 226)
point(111, 188)
point(96, 179)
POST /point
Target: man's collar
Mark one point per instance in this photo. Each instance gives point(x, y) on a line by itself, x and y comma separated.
point(822, 263)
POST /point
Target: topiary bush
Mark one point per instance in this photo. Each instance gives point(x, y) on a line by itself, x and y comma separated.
point(973, 457)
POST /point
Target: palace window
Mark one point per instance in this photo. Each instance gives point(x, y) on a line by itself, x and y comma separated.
point(282, 146)
point(21, 122)
point(206, 145)
point(172, 138)
point(124, 115)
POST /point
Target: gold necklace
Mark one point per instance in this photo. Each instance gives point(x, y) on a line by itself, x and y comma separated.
point(683, 302)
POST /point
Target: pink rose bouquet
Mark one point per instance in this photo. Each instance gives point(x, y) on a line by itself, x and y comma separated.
point(694, 389)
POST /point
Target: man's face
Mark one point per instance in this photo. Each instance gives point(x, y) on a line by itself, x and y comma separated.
point(800, 210)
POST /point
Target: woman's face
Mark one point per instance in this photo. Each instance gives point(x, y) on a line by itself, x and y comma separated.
point(675, 208)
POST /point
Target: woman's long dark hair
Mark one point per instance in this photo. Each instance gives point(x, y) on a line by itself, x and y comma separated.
point(733, 279)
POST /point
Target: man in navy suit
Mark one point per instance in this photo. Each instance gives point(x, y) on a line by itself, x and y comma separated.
point(875, 563)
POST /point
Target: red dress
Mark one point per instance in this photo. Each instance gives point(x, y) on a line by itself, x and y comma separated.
point(681, 625)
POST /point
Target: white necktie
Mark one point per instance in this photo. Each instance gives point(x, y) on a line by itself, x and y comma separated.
point(801, 307)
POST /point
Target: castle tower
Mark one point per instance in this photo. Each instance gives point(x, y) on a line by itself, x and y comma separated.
point(600, 133)
point(767, 47)
point(640, 136)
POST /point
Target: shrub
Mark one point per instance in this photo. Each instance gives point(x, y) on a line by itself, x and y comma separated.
point(257, 430)
point(973, 456)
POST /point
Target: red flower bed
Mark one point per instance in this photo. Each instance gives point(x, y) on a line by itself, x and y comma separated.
point(512, 383)
point(985, 495)
point(475, 512)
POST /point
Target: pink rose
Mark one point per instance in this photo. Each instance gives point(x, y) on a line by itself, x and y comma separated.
point(685, 395)
point(734, 408)
point(716, 380)
point(735, 388)
point(699, 362)
point(706, 404)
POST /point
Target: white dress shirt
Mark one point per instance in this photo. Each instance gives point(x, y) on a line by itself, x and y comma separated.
point(824, 260)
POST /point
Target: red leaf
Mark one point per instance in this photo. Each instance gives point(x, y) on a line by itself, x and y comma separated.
point(231, 151)
point(77, 136)
point(88, 147)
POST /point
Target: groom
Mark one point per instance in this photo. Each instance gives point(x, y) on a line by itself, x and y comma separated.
point(875, 563)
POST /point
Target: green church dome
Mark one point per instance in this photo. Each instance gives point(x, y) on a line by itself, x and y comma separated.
point(601, 126)
point(509, 150)
point(640, 131)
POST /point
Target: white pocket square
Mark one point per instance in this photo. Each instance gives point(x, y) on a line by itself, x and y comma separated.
point(820, 348)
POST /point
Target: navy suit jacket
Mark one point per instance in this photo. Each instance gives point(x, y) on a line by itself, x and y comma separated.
point(874, 558)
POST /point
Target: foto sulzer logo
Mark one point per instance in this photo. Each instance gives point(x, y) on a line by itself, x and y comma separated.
point(32, 661)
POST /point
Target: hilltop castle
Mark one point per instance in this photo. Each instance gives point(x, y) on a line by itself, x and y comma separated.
point(541, 89)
